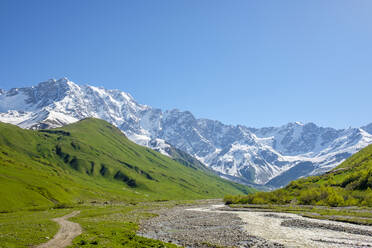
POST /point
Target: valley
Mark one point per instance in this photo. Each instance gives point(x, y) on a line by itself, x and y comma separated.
point(267, 157)
point(87, 185)
point(196, 223)
point(185, 124)
point(92, 160)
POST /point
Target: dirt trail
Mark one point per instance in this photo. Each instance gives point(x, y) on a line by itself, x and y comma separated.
point(67, 232)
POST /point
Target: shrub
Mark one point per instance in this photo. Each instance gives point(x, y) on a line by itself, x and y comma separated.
point(258, 200)
point(229, 199)
point(351, 201)
point(334, 199)
point(307, 197)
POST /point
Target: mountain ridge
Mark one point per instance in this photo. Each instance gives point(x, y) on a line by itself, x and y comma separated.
point(258, 155)
point(92, 160)
point(348, 184)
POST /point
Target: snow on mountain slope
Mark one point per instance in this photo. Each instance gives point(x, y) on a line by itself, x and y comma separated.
point(271, 156)
point(368, 128)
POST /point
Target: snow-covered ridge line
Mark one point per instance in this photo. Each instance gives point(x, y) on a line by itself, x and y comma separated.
point(271, 156)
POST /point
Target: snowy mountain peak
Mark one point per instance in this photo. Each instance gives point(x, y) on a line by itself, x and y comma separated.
point(271, 156)
point(57, 83)
point(293, 124)
point(64, 79)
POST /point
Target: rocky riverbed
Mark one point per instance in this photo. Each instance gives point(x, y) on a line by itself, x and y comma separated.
point(188, 227)
point(295, 231)
point(210, 225)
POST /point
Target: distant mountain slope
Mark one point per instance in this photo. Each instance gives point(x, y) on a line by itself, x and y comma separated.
point(93, 160)
point(348, 184)
point(271, 156)
point(368, 128)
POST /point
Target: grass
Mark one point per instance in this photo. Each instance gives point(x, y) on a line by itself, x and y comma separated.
point(25, 228)
point(104, 225)
point(116, 226)
point(349, 184)
point(93, 161)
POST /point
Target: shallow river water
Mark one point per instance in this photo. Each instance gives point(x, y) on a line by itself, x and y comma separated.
point(269, 226)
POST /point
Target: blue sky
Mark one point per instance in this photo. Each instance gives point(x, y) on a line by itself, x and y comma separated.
point(256, 63)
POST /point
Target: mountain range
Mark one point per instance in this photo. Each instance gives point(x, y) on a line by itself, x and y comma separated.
point(348, 184)
point(270, 156)
point(92, 160)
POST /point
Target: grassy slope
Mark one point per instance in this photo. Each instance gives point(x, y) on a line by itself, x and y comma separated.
point(349, 184)
point(93, 161)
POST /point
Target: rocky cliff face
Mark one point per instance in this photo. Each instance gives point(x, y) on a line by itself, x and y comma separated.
point(272, 156)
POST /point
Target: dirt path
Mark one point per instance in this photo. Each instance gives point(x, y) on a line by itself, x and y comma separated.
point(67, 232)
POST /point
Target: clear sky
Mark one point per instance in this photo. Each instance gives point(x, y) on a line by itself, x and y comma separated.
point(256, 63)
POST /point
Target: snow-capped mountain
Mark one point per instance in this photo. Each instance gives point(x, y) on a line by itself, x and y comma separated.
point(272, 156)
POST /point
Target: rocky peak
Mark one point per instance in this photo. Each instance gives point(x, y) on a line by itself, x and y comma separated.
point(50, 91)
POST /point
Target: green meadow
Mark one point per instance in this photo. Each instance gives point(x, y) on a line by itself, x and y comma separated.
point(103, 225)
point(93, 167)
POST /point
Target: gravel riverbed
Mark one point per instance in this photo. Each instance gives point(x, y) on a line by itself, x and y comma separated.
point(296, 231)
point(200, 229)
point(211, 225)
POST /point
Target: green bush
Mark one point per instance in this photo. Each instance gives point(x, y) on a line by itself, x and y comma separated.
point(334, 199)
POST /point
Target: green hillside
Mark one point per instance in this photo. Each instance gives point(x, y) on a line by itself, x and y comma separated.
point(349, 184)
point(92, 160)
